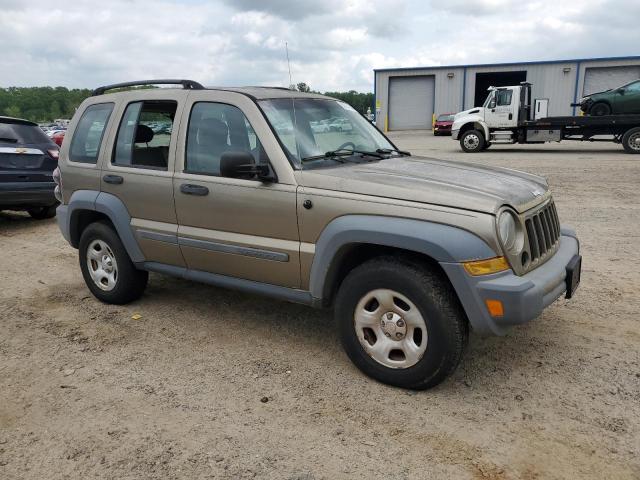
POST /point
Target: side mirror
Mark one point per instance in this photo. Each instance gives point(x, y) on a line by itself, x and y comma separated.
point(243, 165)
point(620, 91)
point(492, 103)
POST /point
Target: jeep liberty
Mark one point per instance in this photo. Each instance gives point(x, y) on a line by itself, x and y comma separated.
point(239, 188)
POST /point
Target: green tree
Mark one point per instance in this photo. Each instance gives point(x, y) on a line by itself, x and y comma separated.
point(12, 111)
point(303, 87)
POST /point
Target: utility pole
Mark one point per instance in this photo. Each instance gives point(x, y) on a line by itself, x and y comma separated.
point(291, 85)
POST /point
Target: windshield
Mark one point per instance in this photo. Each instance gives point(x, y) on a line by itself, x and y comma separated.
point(489, 98)
point(308, 127)
point(446, 118)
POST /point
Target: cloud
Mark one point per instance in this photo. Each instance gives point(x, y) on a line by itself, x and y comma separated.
point(333, 45)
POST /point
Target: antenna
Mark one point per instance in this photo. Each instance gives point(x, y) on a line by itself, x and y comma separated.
point(286, 47)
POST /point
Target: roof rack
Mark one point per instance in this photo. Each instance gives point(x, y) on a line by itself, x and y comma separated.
point(277, 88)
point(186, 84)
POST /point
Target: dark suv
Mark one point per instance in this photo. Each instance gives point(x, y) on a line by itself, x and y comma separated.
point(27, 161)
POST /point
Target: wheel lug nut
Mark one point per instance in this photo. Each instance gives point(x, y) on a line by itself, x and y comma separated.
point(398, 335)
point(387, 334)
point(400, 323)
point(389, 315)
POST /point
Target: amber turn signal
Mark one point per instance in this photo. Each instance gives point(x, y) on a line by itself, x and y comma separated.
point(495, 308)
point(485, 267)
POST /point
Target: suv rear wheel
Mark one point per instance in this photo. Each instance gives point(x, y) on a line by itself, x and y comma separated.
point(400, 323)
point(107, 268)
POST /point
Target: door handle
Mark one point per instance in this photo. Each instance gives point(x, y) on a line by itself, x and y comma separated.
point(510, 116)
point(113, 179)
point(190, 189)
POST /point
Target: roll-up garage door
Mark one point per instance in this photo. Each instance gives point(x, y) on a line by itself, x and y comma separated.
point(598, 79)
point(411, 102)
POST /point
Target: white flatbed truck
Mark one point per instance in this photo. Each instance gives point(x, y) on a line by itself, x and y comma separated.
point(507, 117)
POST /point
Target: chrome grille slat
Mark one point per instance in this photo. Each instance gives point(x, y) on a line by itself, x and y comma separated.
point(543, 232)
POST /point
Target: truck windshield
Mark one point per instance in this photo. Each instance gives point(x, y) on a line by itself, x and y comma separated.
point(311, 127)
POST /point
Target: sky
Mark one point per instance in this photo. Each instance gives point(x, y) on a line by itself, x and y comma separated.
point(333, 44)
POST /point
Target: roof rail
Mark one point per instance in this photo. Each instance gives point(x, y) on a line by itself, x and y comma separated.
point(186, 84)
point(277, 88)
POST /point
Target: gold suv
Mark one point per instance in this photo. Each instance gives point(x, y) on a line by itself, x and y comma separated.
point(245, 188)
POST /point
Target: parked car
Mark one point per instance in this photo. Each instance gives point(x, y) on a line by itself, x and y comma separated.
point(58, 137)
point(443, 123)
point(621, 100)
point(340, 125)
point(409, 252)
point(27, 161)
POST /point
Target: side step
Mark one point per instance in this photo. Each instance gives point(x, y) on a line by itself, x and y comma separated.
point(502, 136)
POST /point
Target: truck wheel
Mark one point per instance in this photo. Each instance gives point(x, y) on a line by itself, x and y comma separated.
point(599, 109)
point(631, 140)
point(42, 213)
point(107, 268)
point(472, 141)
point(400, 323)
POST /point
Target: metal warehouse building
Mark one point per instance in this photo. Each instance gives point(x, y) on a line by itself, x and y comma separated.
point(407, 98)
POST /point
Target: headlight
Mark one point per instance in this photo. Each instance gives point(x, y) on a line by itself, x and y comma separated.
point(510, 232)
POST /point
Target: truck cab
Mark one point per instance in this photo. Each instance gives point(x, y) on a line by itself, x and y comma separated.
point(492, 122)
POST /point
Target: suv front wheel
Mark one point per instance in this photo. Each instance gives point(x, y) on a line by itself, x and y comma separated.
point(400, 323)
point(107, 268)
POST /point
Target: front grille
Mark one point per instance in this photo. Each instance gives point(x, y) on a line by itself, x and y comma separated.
point(543, 231)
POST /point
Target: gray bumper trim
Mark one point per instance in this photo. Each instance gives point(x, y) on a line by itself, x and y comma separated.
point(523, 297)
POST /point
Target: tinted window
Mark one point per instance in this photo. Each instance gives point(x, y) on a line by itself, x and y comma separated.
point(144, 135)
point(216, 128)
point(85, 144)
point(633, 87)
point(22, 134)
point(503, 97)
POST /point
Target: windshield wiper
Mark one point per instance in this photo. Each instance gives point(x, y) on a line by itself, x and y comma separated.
point(391, 150)
point(337, 154)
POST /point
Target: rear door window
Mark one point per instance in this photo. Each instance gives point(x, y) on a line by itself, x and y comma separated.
point(87, 137)
point(144, 135)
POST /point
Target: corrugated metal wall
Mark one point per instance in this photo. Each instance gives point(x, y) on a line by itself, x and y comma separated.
point(555, 81)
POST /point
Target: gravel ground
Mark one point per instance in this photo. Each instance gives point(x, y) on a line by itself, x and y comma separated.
point(210, 383)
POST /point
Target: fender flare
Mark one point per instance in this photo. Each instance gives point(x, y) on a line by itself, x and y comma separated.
point(109, 205)
point(483, 126)
point(443, 243)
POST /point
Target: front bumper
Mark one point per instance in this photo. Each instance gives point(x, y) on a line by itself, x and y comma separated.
point(455, 133)
point(26, 194)
point(523, 297)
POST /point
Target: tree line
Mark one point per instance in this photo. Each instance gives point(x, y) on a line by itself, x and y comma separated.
point(41, 104)
point(45, 104)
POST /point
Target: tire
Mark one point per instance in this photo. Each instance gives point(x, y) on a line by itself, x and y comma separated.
point(417, 294)
point(486, 146)
point(600, 108)
point(631, 140)
point(472, 141)
point(117, 280)
point(42, 213)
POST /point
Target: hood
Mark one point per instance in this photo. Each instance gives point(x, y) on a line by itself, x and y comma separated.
point(596, 93)
point(432, 181)
point(471, 111)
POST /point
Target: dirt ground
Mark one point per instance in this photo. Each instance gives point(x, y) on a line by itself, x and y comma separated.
point(88, 392)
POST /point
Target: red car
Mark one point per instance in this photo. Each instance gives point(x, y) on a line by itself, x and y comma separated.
point(59, 136)
point(443, 124)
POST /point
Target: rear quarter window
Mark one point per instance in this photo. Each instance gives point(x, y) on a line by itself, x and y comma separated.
point(87, 137)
